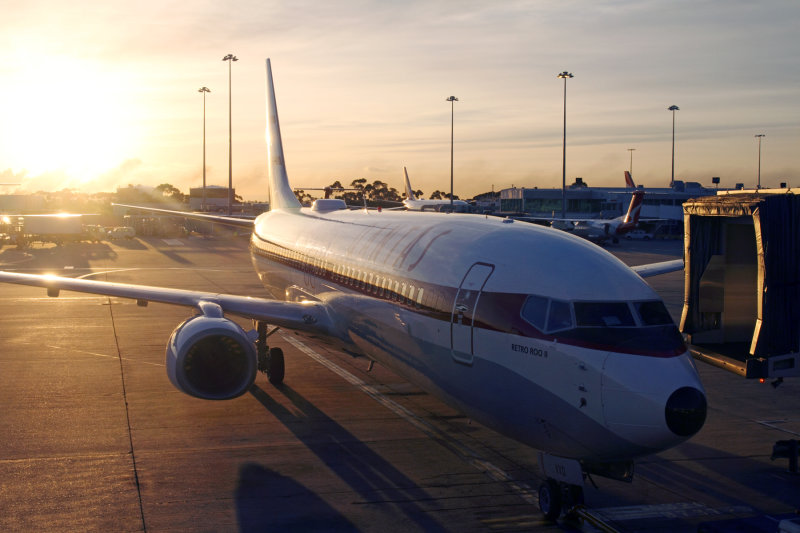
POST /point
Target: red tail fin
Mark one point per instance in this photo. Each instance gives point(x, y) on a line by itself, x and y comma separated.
point(629, 180)
point(634, 210)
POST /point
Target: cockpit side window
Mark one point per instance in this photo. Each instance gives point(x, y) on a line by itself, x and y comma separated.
point(535, 311)
point(560, 316)
point(653, 313)
point(547, 315)
point(603, 314)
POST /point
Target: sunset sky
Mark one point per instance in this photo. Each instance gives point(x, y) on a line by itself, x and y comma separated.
point(100, 94)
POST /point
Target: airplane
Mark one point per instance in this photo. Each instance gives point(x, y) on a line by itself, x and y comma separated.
point(600, 230)
point(412, 203)
point(532, 332)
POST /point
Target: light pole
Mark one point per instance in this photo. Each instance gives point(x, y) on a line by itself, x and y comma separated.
point(230, 58)
point(564, 75)
point(631, 150)
point(759, 136)
point(204, 90)
point(673, 108)
point(452, 101)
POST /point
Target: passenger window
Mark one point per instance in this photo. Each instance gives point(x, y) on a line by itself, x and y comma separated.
point(603, 314)
point(535, 311)
point(560, 316)
point(385, 287)
point(653, 313)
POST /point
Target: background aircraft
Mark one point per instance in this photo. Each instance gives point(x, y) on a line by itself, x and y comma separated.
point(530, 331)
point(413, 203)
point(600, 230)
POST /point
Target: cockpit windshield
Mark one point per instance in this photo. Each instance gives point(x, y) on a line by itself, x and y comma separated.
point(652, 313)
point(603, 314)
point(549, 315)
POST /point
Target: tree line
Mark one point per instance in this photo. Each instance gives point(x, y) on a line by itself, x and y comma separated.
point(377, 193)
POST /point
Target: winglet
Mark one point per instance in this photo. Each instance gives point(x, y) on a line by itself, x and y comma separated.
point(409, 191)
point(281, 195)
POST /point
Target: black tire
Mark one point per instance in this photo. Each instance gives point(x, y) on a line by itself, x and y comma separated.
point(575, 495)
point(275, 366)
point(550, 500)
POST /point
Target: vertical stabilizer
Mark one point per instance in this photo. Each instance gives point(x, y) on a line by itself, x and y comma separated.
point(281, 195)
point(629, 180)
point(409, 191)
point(635, 209)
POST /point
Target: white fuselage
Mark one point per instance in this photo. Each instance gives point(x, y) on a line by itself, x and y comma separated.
point(435, 205)
point(439, 299)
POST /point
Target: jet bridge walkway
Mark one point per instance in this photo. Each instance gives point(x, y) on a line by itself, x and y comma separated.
point(741, 307)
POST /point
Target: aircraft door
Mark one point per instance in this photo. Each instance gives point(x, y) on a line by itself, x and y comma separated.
point(463, 313)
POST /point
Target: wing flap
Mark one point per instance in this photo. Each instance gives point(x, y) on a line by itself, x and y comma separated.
point(304, 316)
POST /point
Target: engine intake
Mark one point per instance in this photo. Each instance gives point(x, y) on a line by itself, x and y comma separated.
point(211, 358)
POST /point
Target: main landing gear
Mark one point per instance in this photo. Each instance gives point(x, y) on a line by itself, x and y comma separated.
point(270, 360)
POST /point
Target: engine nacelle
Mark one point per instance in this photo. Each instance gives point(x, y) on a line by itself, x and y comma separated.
point(211, 358)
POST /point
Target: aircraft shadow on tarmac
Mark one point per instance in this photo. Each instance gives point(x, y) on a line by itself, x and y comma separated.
point(75, 255)
point(169, 252)
point(756, 482)
point(130, 244)
point(262, 504)
point(367, 473)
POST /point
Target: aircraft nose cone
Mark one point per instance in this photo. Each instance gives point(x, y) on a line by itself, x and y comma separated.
point(686, 411)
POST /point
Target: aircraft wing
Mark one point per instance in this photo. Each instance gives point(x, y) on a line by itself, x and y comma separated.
point(309, 316)
point(239, 222)
point(656, 269)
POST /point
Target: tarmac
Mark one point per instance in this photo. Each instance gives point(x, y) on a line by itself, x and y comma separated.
point(93, 437)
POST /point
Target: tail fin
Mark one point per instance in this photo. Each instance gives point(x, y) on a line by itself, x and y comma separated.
point(635, 209)
point(281, 195)
point(629, 180)
point(409, 191)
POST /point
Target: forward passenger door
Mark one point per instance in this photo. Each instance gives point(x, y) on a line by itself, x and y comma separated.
point(463, 312)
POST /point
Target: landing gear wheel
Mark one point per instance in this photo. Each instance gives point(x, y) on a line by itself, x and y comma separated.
point(550, 500)
point(275, 366)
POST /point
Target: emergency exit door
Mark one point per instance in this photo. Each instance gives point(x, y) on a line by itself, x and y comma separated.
point(463, 314)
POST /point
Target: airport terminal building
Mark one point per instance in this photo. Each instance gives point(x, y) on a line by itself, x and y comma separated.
point(664, 204)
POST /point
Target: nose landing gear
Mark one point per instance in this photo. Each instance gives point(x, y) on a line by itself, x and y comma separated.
point(563, 488)
point(555, 496)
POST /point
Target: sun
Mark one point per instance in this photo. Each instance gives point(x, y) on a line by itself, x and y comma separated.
point(67, 114)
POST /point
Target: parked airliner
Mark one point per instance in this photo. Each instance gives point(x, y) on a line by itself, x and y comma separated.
point(599, 230)
point(412, 203)
point(533, 332)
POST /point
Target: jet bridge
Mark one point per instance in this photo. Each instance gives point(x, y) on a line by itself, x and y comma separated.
point(741, 306)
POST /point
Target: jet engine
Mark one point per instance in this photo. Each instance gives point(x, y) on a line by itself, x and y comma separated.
point(211, 358)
